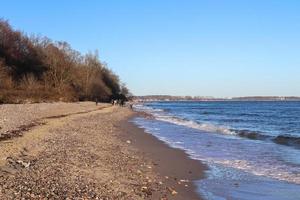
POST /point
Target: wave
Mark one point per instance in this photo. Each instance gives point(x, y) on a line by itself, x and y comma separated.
point(287, 140)
point(253, 135)
point(161, 115)
point(140, 107)
point(195, 125)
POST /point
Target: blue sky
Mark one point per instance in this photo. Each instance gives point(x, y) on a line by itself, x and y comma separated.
point(189, 47)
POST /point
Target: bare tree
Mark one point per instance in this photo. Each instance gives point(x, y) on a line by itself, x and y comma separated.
point(28, 61)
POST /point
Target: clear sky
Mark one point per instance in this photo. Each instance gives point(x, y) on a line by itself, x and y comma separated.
point(180, 47)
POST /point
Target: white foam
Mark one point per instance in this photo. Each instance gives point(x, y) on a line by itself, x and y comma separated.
point(273, 171)
point(159, 114)
point(191, 124)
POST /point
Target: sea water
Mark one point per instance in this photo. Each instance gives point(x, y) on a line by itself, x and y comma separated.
point(252, 148)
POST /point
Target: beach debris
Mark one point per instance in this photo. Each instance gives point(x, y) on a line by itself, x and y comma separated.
point(186, 185)
point(16, 163)
point(172, 191)
point(128, 142)
point(160, 183)
point(166, 177)
point(24, 164)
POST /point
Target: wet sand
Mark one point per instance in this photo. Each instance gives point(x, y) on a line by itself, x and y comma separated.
point(174, 165)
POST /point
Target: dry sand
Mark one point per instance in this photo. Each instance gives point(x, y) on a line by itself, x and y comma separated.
point(83, 151)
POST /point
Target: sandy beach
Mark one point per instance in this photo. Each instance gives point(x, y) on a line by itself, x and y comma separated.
point(84, 151)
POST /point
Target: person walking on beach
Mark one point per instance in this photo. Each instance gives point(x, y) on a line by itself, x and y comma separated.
point(122, 102)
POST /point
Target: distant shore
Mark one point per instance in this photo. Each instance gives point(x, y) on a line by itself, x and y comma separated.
point(199, 98)
point(80, 150)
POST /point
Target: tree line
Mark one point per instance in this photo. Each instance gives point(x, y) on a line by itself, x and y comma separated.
point(35, 69)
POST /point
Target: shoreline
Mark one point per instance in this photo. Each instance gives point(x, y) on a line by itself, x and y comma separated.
point(174, 165)
point(90, 152)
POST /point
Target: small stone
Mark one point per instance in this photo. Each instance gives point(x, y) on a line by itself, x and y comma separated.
point(184, 181)
point(172, 191)
point(146, 190)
